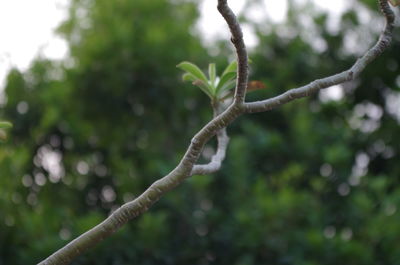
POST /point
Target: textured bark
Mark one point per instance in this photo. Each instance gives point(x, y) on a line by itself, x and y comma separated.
point(219, 156)
point(348, 75)
point(241, 52)
point(217, 126)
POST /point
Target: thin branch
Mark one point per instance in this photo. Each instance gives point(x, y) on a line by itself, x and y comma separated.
point(141, 204)
point(219, 156)
point(185, 168)
point(217, 159)
point(241, 52)
point(348, 75)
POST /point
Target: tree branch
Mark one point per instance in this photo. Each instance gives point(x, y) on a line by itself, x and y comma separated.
point(219, 156)
point(185, 168)
point(241, 52)
point(217, 159)
point(348, 75)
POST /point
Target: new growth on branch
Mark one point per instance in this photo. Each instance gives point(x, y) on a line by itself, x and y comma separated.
point(216, 89)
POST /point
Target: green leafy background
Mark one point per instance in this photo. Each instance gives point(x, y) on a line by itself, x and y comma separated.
point(314, 182)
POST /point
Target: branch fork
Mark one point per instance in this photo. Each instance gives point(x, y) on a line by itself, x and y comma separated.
point(217, 126)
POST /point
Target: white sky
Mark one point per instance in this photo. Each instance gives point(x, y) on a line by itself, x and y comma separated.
point(26, 30)
point(26, 26)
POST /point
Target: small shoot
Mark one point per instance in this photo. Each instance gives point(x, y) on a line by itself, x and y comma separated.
point(217, 88)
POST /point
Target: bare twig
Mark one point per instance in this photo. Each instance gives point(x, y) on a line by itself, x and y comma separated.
point(241, 53)
point(219, 156)
point(217, 159)
point(348, 75)
point(185, 168)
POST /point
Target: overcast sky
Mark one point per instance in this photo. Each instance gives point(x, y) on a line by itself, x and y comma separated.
point(26, 26)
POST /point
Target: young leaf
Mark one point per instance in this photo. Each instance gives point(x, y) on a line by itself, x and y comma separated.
point(192, 69)
point(227, 86)
point(224, 79)
point(5, 125)
point(204, 87)
point(212, 73)
point(189, 77)
point(232, 67)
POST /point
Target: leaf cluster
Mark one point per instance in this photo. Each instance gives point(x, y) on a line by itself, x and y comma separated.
point(215, 87)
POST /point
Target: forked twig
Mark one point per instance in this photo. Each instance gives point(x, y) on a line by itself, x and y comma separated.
point(216, 126)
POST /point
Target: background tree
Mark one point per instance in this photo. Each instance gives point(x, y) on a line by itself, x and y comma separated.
point(314, 182)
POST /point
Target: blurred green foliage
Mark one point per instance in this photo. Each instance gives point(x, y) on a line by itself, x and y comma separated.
point(314, 182)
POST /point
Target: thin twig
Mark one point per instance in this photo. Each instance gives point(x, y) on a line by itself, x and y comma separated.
point(348, 75)
point(241, 52)
point(185, 168)
point(216, 160)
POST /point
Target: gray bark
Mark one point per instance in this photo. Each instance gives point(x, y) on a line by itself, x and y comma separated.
point(217, 126)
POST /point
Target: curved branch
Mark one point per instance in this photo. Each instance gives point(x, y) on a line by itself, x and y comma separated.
point(241, 53)
point(217, 159)
point(141, 204)
point(185, 168)
point(219, 156)
point(348, 75)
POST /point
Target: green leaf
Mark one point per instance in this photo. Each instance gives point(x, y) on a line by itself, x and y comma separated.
point(204, 87)
point(5, 125)
point(197, 77)
point(212, 72)
point(227, 86)
point(224, 79)
point(193, 69)
point(189, 77)
point(232, 67)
